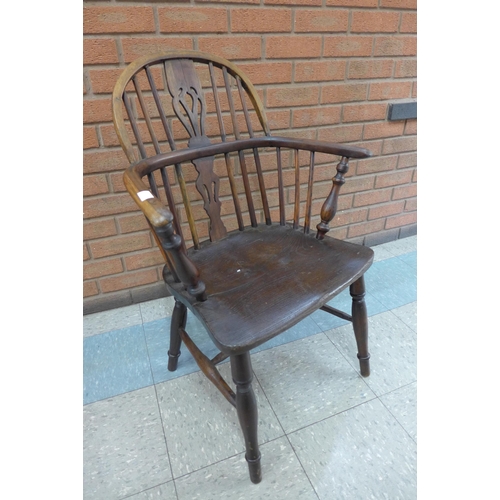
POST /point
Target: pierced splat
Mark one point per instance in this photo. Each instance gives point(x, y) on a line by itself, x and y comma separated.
point(189, 106)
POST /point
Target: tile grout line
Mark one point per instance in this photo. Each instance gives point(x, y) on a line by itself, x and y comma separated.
point(284, 433)
point(394, 416)
point(158, 402)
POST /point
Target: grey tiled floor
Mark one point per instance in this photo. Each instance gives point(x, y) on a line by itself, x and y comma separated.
point(325, 432)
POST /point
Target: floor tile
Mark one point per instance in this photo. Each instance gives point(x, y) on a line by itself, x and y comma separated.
point(282, 478)
point(410, 259)
point(407, 314)
point(308, 380)
point(201, 426)
point(163, 492)
point(359, 454)
point(393, 349)
point(401, 246)
point(156, 309)
point(124, 450)
point(402, 403)
point(392, 282)
point(115, 319)
point(115, 363)
point(381, 253)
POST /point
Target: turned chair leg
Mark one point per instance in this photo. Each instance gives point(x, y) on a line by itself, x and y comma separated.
point(179, 317)
point(246, 406)
point(360, 324)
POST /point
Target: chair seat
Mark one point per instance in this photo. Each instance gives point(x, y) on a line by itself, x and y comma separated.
point(263, 280)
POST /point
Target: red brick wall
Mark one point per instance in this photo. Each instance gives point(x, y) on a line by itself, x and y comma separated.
point(327, 69)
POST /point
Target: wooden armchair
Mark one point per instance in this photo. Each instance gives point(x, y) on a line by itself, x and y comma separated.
point(230, 207)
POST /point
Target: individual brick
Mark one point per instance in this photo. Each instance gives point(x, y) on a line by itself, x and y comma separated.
point(364, 112)
point(398, 4)
point(402, 192)
point(408, 22)
point(99, 51)
point(97, 110)
point(104, 161)
point(348, 46)
point(395, 46)
point(407, 160)
point(370, 68)
point(95, 184)
point(383, 129)
point(120, 245)
point(401, 220)
point(364, 21)
point(393, 179)
point(386, 210)
point(128, 280)
point(293, 46)
point(312, 117)
point(389, 90)
point(292, 96)
point(97, 269)
point(321, 20)
point(109, 205)
point(135, 47)
point(411, 127)
point(376, 164)
point(118, 19)
point(232, 47)
point(150, 258)
point(98, 229)
point(405, 68)
point(261, 20)
point(132, 223)
point(365, 228)
point(267, 72)
point(318, 71)
point(90, 289)
point(197, 19)
point(399, 145)
point(90, 138)
point(338, 93)
point(372, 197)
point(341, 133)
point(293, 2)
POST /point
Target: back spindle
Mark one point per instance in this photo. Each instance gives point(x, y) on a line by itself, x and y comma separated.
point(258, 166)
point(307, 222)
point(297, 191)
point(241, 156)
point(281, 192)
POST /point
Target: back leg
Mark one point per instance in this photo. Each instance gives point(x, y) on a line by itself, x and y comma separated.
point(179, 317)
point(360, 324)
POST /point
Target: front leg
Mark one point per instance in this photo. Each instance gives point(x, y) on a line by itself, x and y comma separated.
point(246, 406)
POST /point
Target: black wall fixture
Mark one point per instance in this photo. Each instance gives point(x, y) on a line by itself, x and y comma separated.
point(402, 111)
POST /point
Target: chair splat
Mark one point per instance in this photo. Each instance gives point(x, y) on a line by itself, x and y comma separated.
point(183, 82)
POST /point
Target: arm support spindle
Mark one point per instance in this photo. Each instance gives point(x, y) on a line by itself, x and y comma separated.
point(329, 208)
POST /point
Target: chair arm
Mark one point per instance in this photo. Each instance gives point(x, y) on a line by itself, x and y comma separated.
point(160, 220)
point(155, 211)
point(148, 165)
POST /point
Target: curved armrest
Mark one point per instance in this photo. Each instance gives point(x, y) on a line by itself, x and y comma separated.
point(148, 165)
point(154, 210)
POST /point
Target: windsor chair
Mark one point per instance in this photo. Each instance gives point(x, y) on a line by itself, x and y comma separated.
point(225, 202)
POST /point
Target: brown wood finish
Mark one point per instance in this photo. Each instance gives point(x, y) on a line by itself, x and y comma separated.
point(248, 285)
